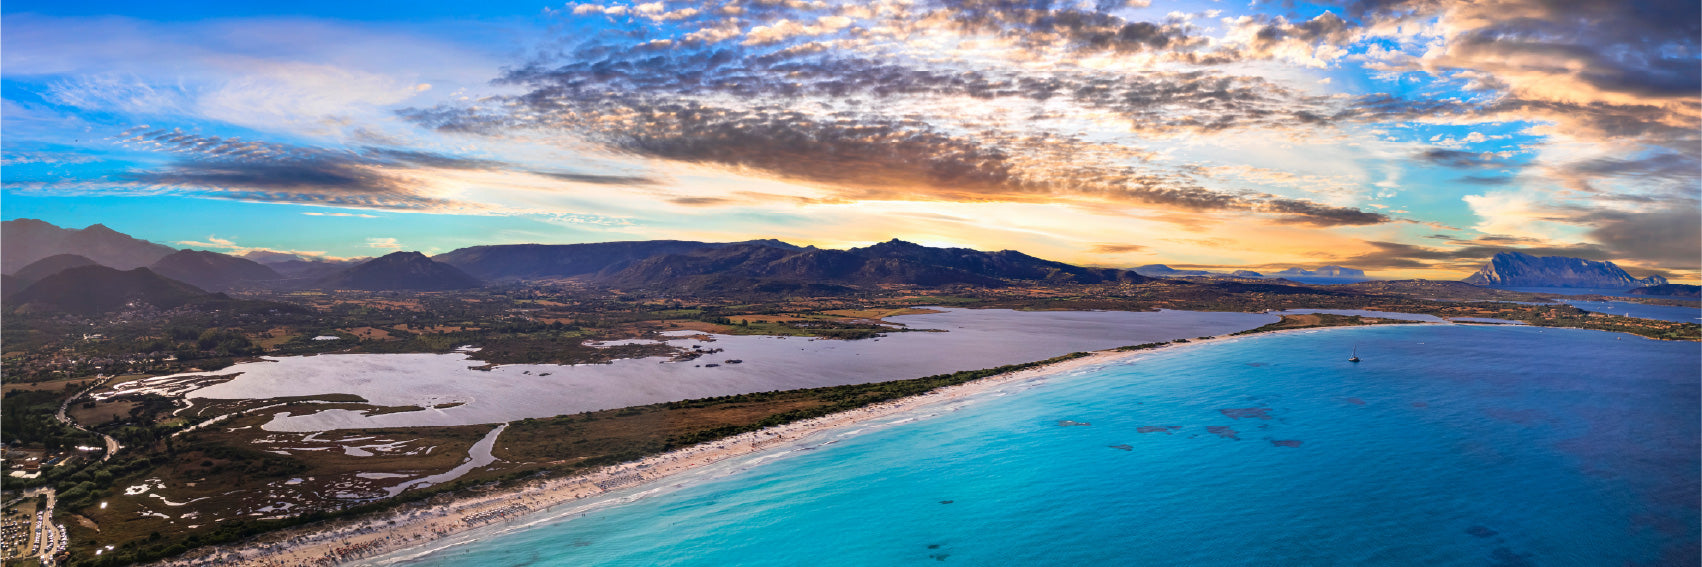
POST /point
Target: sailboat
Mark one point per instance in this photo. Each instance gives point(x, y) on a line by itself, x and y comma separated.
point(1355, 357)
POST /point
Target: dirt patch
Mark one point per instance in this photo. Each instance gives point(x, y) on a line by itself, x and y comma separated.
point(85, 522)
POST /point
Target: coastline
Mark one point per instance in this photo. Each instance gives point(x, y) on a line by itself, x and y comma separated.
point(413, 531)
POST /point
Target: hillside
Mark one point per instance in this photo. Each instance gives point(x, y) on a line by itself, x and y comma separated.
point(1517, 269)
point(24, 241)
point(212, 270)
point(91, 290)
point(400, 271)
point(531, 261)
point(748, 266)
point(51, 265)
point(1668, 290)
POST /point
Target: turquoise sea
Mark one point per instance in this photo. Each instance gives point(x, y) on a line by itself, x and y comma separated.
point(1447, 445)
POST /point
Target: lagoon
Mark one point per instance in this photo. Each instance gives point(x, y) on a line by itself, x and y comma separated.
point(973, 339)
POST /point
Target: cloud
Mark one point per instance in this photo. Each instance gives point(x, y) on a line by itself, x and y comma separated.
point(1316, 42)
point(1516, 213)
point(700, 201)
point(597, 179)
point(383, 244)
point(1460, 159)
point(875, 157)
point(371, 177)
point(1395, 255)
point(359, 215)
point(1666, 238)
point(1484, 180)
point(280, 74)
point(229, 246)
point(1038, 25)
point(1104, 248)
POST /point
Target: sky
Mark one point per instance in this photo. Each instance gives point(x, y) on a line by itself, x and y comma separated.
point(1408, 138)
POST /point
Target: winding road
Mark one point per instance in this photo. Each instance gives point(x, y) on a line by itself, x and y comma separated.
point(112, 445)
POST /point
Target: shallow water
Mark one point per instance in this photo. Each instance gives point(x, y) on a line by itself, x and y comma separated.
point(1448, 445)
point(980, 338)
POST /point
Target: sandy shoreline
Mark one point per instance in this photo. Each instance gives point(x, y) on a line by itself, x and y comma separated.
point(411, 530)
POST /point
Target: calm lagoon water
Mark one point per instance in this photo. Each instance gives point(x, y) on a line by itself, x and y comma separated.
point(973, 339)
point(1448, 445)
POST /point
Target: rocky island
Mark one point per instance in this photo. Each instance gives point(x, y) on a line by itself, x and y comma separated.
point(1516, 269)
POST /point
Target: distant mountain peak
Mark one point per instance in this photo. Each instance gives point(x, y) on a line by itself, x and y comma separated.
point(1518, 269)
point(403, 270)
point(772, 242)
point(212, 270)
point(897, 243)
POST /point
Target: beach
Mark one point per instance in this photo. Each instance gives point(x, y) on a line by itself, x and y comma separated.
point(414, 529)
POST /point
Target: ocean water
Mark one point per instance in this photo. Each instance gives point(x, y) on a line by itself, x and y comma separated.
point(1620, 292)
point(1447, 445)
point(1660, 312)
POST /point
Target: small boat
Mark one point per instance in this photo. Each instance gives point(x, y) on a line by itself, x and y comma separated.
point(1355, 357)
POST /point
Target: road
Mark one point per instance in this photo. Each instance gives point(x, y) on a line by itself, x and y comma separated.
point(112, 445)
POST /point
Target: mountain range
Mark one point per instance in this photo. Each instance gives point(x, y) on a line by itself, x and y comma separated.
point(24, 241)
point(542, 261)
point(212, 270)
point(895, 262)
point(1517, 269)
point(35, 251)
point(1333, 273)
